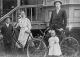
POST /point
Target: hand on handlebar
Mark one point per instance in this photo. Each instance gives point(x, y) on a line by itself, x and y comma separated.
point(49, 31)
point(61, 29)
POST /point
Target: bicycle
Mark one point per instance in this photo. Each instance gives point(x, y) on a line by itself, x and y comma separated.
point(69, 45)
point(37, 46)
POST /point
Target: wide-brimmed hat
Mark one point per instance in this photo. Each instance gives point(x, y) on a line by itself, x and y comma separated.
point(8, 17)
point(57, 1)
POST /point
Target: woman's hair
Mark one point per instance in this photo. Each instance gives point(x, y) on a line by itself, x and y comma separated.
point(22, 12)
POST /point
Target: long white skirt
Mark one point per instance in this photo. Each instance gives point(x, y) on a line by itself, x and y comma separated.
point(22, 38)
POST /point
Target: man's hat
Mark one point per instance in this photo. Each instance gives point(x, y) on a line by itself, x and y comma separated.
point(57, 1)
point(8, 17)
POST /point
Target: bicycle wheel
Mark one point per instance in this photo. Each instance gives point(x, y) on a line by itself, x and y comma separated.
point(36, 48)
point(69, 46)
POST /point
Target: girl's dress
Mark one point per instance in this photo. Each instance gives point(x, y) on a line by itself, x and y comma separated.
point(54, 47)
point(25, 25)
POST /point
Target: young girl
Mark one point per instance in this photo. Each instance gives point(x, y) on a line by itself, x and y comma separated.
point(54, 47)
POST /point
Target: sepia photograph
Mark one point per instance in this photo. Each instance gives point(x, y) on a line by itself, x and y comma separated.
point(39, 28)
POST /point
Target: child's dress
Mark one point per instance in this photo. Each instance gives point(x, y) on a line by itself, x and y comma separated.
point(54, 47)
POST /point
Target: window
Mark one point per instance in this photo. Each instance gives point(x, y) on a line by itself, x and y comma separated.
point(76, 15)
point(49, 14)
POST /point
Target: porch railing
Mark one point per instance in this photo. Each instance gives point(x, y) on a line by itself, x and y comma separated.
point(32, 12)
point(9, 13)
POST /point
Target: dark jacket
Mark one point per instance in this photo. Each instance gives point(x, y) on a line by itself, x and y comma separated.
point(7, 33)
point(58, 20)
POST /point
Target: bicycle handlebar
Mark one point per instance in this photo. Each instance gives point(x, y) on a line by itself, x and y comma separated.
point(48, 28)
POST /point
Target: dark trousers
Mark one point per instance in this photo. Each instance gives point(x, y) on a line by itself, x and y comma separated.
point(7, 44)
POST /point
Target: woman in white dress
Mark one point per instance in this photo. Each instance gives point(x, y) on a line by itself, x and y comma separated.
point(54, 47)
point(25, 27)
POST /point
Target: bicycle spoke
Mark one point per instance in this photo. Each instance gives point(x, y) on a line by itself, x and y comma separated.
point(69, 46)
point(36, 48)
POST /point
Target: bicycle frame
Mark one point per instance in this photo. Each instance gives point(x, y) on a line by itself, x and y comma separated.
point(18, 41)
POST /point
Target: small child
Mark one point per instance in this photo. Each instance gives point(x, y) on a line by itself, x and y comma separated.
point(54, 47)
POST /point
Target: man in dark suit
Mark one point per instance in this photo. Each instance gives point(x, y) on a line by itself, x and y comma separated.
point(6, 31)
point(58, 17)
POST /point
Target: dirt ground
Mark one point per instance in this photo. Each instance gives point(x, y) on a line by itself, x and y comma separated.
point(16, 53)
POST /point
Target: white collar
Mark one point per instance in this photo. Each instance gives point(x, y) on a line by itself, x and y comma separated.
point(7, 24)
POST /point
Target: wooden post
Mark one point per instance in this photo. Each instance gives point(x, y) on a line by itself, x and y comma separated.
point(44, 2)
point(1, 7)
point(26, 11)
point(31, 14)
point(18, 11)
point(36, 13)
point(16, 16)
point(18, 2)
point(12, 17)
